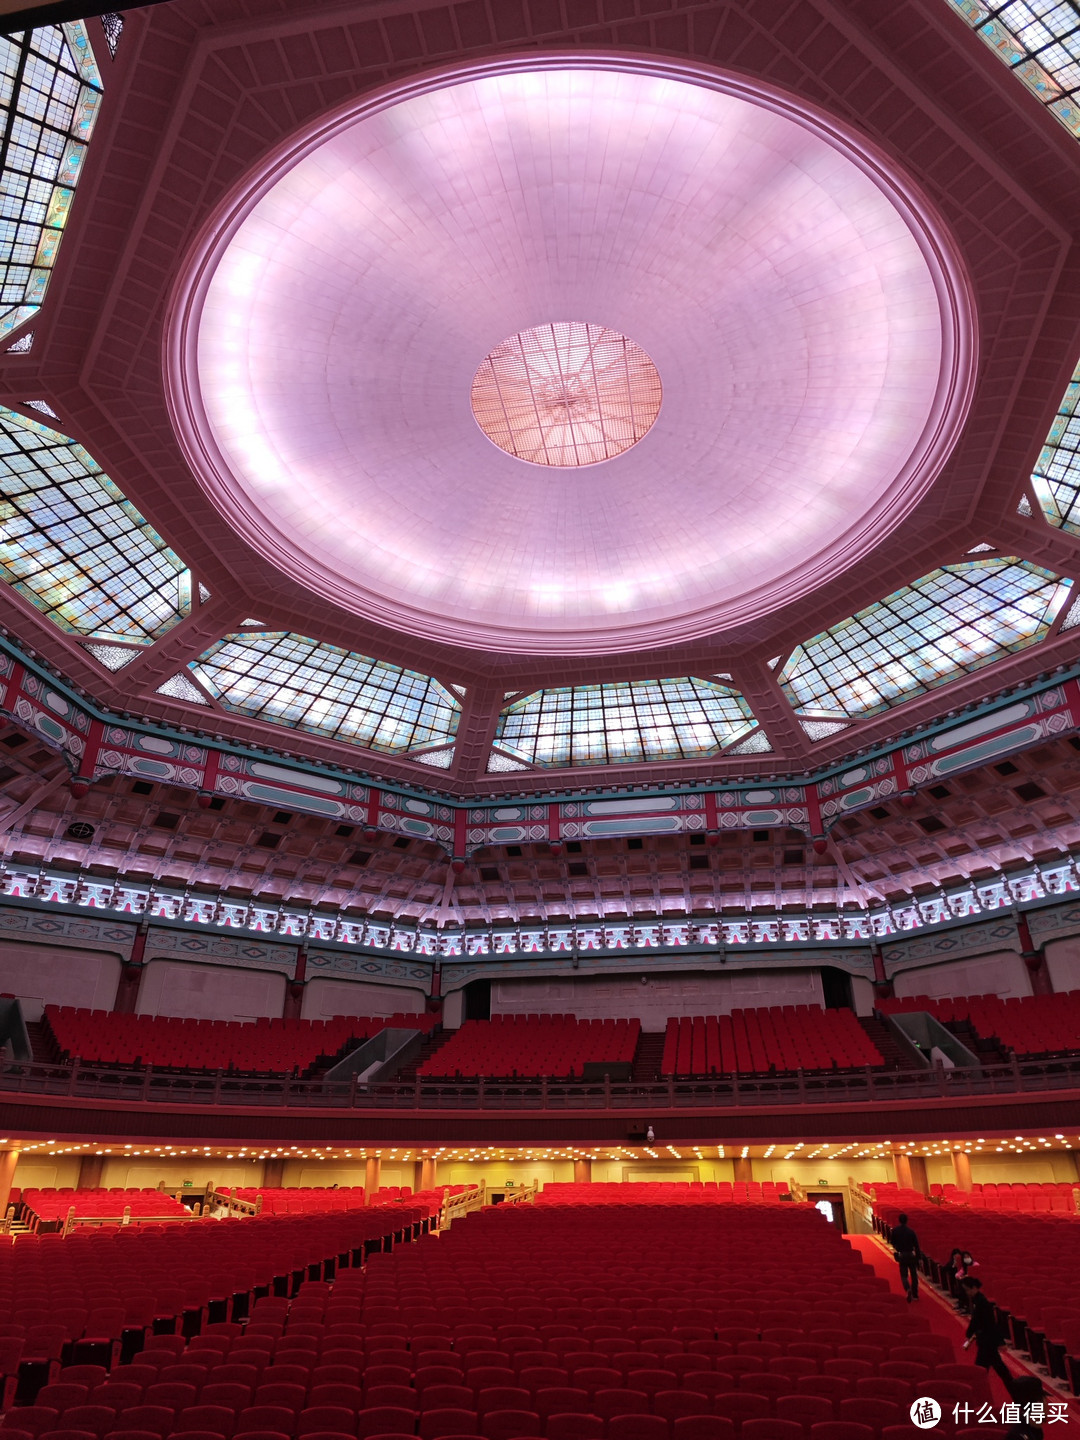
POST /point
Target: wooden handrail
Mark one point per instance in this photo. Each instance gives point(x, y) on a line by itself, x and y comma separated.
point(473, 1197)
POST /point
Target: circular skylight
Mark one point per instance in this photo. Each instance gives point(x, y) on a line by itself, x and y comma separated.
point(566, 394)
point(803, 306)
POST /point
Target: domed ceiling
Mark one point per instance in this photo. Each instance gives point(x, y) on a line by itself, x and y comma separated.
point(802, 305)
point(661, 404)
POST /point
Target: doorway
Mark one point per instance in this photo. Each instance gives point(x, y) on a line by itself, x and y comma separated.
point(831, 1205)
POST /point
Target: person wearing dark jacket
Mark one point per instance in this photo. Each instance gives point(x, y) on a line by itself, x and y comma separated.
point(906, 1245)
point(985, 1332)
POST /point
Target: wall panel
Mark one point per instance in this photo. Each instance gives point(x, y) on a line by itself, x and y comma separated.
point(690, 992)
point(1003, 973)
point(209, 992)
point(57, 975)
point(325, 998)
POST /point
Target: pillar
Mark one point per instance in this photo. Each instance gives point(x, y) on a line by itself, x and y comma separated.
point(91, 1169)
point(919, 1178)
point(961, 1164)
point(1034, 958)
point(372, 1168)
point(273, 1172)
point(424, 1175)
point(8, 1160)
point(131, 973)
point(582, 1172)
point(902, 1171)
point(744, 1170)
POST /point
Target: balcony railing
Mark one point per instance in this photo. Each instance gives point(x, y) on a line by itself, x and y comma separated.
point(831, 1087)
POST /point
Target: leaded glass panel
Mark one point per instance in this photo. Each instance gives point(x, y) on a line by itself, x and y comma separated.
point(288, 679)
point(1056, 478)
point(677, 719)
point(50, 94)
point(1039, 40)
point(73, 545)
point(945, 625)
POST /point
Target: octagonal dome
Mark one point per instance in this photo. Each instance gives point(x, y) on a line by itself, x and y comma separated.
point(804, 310)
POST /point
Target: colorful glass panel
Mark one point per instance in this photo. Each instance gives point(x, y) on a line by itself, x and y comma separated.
point(678, 719)
point(1056, 478)
point(74, 547)
point(287, 679)
point(945, 625)
point(1039, 40)
point(50, 94)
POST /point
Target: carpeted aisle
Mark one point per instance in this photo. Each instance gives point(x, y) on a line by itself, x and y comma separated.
point(943, 1319)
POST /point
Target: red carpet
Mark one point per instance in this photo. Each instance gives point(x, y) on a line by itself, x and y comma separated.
point(943, 1319)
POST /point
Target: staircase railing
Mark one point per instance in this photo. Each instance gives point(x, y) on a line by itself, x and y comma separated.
point(473, 1197)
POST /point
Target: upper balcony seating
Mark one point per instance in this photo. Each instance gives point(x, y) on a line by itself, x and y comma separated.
point(533, 1045)
point(1027, 1025)
point(265, 1047)
point(788, 1037)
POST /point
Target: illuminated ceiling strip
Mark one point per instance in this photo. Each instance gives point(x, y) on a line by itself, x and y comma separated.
point(960, 903)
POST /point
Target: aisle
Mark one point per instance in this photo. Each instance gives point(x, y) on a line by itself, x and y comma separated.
point(943, 1319)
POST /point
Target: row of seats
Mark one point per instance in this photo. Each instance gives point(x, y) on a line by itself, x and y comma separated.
point(1027, 1263)
point(751, 1323)
point(49, 1204)
point(533, 1045)
point(661, 1192)
point(279, 1047)
point(1057, 1197)
point(1027, 1025)
point(97, 1288)
point(789, 1037)
point(307, 1200)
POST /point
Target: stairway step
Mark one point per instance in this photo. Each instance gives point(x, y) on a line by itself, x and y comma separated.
point(889, 1047)
point(648, 1057)
point(407, 1074)
point(42, 1045)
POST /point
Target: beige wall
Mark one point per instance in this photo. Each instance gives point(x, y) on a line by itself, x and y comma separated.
point(692, 992)
point(1002, 973)
point(209, 992)
point(495, 1172)
point(324, 998)
point(42, 975)
point(44, 1172)
point(1063, 963)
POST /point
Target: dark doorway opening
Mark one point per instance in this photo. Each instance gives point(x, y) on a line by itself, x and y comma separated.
point(478, 1000)
point(836, 988)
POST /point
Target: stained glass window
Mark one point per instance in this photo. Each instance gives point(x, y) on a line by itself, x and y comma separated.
point(50, 93)
point(74, 547)
point(113, 25)
point(1056, 479)
point(945, 625)
point(1039, 40)
point(288, 679)
point(679, 719)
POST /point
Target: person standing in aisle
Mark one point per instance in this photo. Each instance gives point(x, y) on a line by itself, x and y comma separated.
point(905, 1243)
point(985, 1332)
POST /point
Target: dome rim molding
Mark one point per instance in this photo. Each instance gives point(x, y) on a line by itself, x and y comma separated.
point(952, 401)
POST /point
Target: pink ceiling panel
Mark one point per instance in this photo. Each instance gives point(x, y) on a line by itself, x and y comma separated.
point(806, 313)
